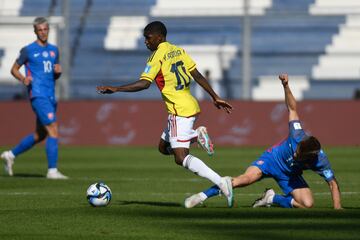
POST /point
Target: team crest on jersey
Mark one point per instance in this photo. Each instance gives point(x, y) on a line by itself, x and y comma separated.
point(52, 54)
point(147, 69)
point(50, 116)
point(260, 162)
point(45, 54)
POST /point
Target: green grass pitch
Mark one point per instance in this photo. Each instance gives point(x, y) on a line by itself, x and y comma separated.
point(148, 193)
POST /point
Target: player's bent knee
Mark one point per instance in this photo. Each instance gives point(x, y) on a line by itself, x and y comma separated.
point(308, 203)
point(165, 150)
point(162, 150)
point(52, 130)
point(179, 161)
point(39, 137)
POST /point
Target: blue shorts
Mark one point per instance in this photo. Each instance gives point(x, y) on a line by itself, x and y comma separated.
point(45, 109)
point(270, 168)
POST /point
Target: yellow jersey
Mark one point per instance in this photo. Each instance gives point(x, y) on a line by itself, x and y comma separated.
point(170, 67)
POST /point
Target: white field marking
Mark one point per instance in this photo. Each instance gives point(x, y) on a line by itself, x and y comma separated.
point(151, 194)
point(99, 179)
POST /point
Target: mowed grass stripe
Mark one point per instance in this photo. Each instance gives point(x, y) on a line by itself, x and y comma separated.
point(149, 190)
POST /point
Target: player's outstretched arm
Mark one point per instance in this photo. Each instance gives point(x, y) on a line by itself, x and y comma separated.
point(289, 97)
point(15, 71)
point(132, 87)
point(218, 102)
point(335, 193)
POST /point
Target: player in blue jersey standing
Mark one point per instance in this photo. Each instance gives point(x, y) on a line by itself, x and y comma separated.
point(41, 60)
point(285, 162)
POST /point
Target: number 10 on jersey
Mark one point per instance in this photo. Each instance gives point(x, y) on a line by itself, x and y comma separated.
point(47, 67)
point(183, 80)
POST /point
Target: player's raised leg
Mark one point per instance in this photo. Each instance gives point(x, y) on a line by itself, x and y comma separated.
point(251, 175)
point(204, 140)
point(195, 165)
point(25, 144)
point(8, 158)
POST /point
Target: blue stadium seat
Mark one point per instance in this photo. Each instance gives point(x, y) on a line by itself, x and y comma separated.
point(287, 38)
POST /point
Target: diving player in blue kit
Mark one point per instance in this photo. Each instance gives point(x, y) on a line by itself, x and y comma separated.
point(284, 162)
point(41, 60)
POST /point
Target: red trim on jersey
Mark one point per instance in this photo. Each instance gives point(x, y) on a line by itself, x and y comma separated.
point(173, 126)
point(183, 140)
point(159, 79)
point(28, 70)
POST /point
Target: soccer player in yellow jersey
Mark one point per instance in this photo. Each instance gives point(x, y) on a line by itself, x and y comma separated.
point(172, 69)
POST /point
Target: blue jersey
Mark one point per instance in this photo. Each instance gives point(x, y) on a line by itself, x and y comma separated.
point(39, 64)
point(283, 153)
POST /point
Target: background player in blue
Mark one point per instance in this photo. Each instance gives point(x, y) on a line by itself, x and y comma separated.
point(285, 162)
point(41, 60)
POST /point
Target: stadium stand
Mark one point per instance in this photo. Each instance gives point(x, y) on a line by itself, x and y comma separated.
point(207, 8)
point(298, 37)
point(342, 56)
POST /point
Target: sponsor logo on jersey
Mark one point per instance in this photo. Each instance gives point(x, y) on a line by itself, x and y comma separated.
point(297, 126)
point(52, 54)
point(147, 69)
point(36, 54)
point(50, 116)
point(327, 173)
point(45, 54)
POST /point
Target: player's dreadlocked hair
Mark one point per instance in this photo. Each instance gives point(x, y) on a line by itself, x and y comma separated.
point(309, 147)
point(156, 27)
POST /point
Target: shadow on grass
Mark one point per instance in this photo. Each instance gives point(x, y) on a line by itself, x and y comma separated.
point(149, 203)
point(28, 175)
point(247, 223)
point(243, 213)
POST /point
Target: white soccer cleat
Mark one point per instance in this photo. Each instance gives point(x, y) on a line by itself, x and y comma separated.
point(204, 140)
point(56, 175)
point(8, 158)
point(265, 200)
point(193, 201)
point(226, 188)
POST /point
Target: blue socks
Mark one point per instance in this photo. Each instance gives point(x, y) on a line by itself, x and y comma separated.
point(213, 191)
point(283, 201)
point(51, 148)
point(25, 144)
point(52, 151)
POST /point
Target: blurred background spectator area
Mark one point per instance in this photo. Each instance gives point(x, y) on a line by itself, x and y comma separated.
point(315, 41)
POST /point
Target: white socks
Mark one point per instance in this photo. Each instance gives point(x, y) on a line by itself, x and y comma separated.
point(52, 170)
point(203, 196)
point(11, 154)
point(199, 167)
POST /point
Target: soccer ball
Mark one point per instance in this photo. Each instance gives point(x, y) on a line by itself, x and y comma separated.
point(98, 194)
